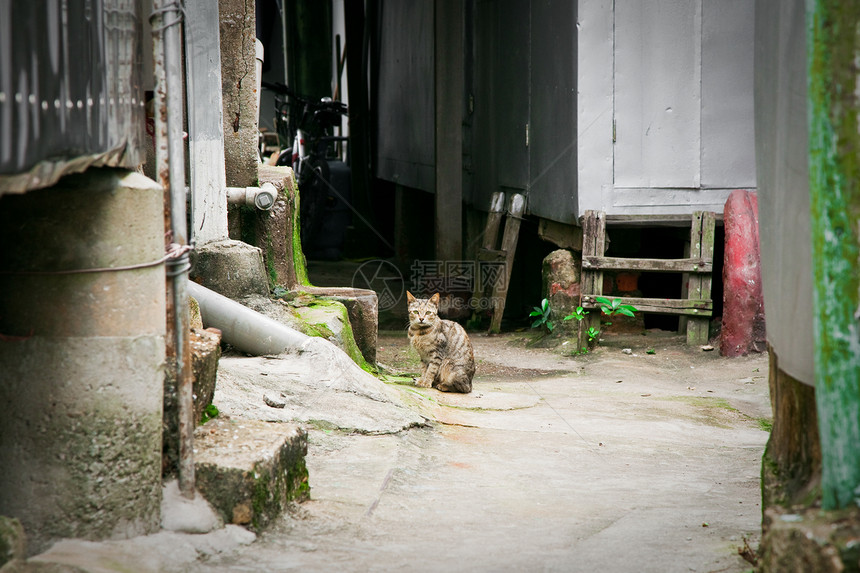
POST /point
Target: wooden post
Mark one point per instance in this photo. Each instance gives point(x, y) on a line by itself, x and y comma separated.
point(516, 208)
point(487, 252)
point(701, 246)
point(593, 245)
point(449, 60)
point(834, 188)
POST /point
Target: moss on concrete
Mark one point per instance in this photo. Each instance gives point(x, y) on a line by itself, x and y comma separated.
point(13, 542)
point(252, 486)
point(314, 327)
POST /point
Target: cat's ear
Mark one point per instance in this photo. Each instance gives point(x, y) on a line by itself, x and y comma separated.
point(409, 298)
point(435, 299)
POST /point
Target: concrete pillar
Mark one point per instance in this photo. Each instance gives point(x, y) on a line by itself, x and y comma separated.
point(82, 357)
point(239, 91)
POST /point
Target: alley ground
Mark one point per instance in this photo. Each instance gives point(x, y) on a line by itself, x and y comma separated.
point(607, 462)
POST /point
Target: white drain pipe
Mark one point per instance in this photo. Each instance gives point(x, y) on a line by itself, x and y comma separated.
point(246, 329)
point(262, 197)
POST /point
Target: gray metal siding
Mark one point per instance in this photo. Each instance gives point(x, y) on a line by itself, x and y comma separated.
point(728, 158)
point(783, 183)
point(70, 89)
point(406, 100)
point(552, 123)
point(657, 93)
point(525, 104)
point(665, 91)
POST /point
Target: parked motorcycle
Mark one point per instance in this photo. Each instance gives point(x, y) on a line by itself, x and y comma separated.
point(314, 153)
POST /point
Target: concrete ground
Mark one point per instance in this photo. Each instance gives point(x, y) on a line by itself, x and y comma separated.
point(605, 462)
point(639, 461)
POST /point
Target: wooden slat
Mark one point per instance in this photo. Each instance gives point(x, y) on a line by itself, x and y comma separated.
point(490, 254)
point(494, 221)
point(516, 208)
point(691, 307)
point(690, 265)
point(488, 241)
point(652, 220)
point(701, 245)
point(593, 245)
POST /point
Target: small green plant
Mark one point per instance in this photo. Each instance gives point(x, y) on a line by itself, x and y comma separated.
point(612, 307)
point(592, 333)
point(578, 314)
point(209, 412)
point(650, 351)
point(542, 313)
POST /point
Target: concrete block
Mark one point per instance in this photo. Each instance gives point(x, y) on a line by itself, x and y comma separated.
point(80, 437)
point(231, 268)
point(249, 470)
point(277, 231)
point(562, 273)
point(239, 91)
point(810, 540)
point(362, 307)
point(743, 324)
point(179, 513)
point(205, 352)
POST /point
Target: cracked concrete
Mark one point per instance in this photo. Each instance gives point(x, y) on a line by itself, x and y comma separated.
point(606, 462)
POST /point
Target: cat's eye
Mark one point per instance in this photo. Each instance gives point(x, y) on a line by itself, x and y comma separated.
point(414, 312)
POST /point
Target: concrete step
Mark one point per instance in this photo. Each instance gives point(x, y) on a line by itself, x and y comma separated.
point(250, 470)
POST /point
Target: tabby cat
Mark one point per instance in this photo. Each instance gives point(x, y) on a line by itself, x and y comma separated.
point(447, 358)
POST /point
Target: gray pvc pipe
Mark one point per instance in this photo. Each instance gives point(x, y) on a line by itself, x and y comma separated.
point(246, 329)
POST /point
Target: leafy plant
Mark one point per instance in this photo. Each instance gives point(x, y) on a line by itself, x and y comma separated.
point(542, 313)
point(614, 306)
point(650, 351)
point(209, 412)
point(578, 314)
point(592, 333)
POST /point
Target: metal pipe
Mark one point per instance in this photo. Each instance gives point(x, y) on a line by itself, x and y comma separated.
point(170, 166)
point(247, 330)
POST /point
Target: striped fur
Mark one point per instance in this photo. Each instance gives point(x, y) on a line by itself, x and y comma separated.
point(447, 358)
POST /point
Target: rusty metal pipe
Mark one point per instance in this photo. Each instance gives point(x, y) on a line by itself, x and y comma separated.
point(170, 168)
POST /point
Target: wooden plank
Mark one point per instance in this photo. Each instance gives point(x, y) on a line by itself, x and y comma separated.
point(593, 245)
point(702, 245)
point(691, 307)
point(491, 254)
point(488, 251)
point(494, 221)
point(516, 208)
point(449, 81)
point(685, 290)
point(690, 265)
point(634, 220)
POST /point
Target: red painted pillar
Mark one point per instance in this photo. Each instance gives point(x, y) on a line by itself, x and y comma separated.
point(743, 327)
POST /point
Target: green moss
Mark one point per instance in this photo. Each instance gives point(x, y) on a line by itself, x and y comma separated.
point(270, 262)
point(298, 255)
point(347, 335)
point(765, 424)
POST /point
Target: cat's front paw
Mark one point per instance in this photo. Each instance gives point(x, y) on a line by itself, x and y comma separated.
point(421, 383)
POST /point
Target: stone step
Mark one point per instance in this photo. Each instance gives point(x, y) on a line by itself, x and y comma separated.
point(250, 470)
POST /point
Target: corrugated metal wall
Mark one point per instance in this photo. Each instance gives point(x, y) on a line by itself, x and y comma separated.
point(665, 104)
point(70, 89)
point(525, 104)
point(783, 183)
point(406, 152)
point(630, 106)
